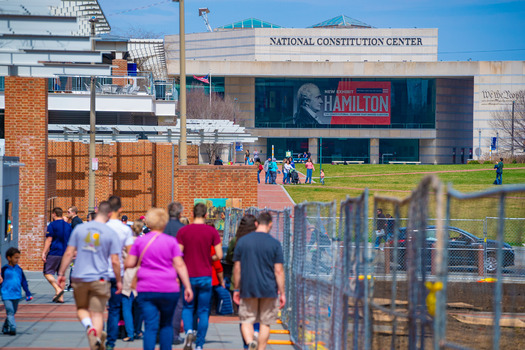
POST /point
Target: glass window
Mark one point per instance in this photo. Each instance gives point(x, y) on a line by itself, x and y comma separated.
point(344, 150)
point(345, 103)
point(398, 150)
point(281, 146)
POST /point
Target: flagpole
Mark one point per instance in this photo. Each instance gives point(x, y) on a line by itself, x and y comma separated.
point(209, 80)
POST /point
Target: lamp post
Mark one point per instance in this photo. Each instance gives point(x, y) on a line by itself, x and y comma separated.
point(92, 131)
point(183, 157)
point(512, 132)
point(479, 144)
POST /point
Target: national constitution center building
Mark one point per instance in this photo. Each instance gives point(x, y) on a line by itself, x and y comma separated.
point(347, 91)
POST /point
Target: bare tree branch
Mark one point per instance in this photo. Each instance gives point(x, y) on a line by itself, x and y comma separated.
point(502, 123)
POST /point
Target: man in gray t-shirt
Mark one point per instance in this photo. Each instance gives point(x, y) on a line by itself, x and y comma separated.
point(95, 244)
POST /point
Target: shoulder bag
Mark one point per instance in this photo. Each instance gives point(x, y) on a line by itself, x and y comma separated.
point(135, 279)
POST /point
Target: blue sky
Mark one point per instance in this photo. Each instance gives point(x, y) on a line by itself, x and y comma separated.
point(468, 29)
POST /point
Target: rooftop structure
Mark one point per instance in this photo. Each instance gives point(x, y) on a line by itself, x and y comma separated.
point(249, 23)
point(342, 21)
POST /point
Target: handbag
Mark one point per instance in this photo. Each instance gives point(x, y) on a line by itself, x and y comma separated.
point(135, 278)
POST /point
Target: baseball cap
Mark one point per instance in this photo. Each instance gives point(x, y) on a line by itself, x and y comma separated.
point(124, 218)
point(142, 217)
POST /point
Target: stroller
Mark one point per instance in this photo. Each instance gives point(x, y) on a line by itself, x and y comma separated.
point(294, 175)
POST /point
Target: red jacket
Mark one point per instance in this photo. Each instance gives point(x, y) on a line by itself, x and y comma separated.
point(217, 268)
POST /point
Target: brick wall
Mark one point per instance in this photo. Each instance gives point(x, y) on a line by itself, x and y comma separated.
point(121, 69)
point(208, 181)
point(26, 137)
point(138, 172)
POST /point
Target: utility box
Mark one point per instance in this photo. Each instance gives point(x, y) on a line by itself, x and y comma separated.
point(9, 194)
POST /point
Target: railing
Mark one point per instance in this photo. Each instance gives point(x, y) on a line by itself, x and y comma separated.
point(271, 125)
point(2, 84)
point(136, 83)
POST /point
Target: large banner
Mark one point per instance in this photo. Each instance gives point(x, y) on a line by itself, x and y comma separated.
point(348, 103)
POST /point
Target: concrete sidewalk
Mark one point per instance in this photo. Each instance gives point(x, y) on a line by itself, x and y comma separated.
point(42, 324)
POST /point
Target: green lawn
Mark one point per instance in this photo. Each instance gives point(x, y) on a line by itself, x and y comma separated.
point(399, 180)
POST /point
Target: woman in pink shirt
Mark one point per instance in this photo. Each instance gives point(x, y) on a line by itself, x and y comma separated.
point(158, 290)
point(309, 170)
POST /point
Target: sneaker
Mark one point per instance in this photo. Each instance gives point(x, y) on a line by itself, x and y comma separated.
point(255, 335)
point(12, 331)
point(103, 338)
point(253, 345)
point(177, 341)
point(94, 341)
point(198, 348)
point(188, 341)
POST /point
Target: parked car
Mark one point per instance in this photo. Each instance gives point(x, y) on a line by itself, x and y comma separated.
point(463, 248)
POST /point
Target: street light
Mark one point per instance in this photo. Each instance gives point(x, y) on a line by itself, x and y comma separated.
point(92, 121)
point(512, 132)
point(183, 158)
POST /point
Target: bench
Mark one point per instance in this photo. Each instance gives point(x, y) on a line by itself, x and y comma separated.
point(403, 162)
point(336, 162)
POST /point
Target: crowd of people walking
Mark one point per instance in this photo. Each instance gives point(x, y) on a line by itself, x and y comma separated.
point(159, 273)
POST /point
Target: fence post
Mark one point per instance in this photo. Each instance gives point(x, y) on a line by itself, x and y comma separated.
point(388, 252)
point(481, 260)
point(433, 257)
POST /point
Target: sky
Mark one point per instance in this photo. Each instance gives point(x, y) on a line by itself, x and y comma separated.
point(480, 30)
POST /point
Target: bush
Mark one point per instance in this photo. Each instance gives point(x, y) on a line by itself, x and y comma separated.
point(473, 162)
point(487, 162)
point(514, 161)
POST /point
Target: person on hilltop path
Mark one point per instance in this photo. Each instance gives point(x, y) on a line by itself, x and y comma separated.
point(499, 172)
point(309, 171)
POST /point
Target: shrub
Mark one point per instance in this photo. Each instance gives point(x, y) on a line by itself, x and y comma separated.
point(487, 162)
point(473, 162)
point(514, 161)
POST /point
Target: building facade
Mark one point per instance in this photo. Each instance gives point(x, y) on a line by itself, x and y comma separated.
point(350, 92)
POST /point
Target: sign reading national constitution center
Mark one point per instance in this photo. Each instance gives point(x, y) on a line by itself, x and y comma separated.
point(346, 41)
point(358, 102)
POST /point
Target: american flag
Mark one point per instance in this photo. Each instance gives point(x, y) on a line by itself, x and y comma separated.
point(204, 79)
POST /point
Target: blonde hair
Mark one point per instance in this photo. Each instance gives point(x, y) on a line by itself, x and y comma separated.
point(137, 227)
point(184, 220)
point(157, 219)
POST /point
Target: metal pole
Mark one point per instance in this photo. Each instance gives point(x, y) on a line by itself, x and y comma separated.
point(209, 80)
point(479, 144)
point(92, 131)
point(497, 141)
point(320, 155)
point(512, 132)
point(172, 165)
point(183, 153)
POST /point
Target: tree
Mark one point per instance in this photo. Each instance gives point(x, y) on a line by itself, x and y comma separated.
point(198, 107)
point(502, 123)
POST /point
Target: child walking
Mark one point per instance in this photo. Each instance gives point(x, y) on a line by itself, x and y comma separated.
point(322, 176)
point(14, 278)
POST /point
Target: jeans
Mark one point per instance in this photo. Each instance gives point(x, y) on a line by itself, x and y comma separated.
point(127, 314)
point(322, 180)
point(115, 305)
point(268, 177)
point(273, 175)
point(202, 291)
point(499, 178)
point(258, 178)
point(177, 317)
point(285, 178)
point(10, 309)
point(137, 319)
point(308, 176)
point(157, 310)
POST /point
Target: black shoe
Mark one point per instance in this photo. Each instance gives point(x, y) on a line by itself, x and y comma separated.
point(12, 331)
point(178, 341)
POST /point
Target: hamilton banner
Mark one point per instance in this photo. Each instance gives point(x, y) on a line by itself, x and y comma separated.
point(348, 103)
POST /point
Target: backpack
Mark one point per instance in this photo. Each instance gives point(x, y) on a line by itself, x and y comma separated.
point(224, 301)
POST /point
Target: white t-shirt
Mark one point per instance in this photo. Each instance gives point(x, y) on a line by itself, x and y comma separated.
point(125, 237)
point(287, 168)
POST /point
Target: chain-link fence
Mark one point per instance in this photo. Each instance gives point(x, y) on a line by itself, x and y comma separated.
point(435, 278)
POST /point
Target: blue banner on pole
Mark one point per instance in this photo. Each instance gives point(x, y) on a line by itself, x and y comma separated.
point(238, 146)
point(494, 144)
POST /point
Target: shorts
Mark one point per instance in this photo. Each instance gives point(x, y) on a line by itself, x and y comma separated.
point(263, 310)
point(52, 264)
point(91, 296)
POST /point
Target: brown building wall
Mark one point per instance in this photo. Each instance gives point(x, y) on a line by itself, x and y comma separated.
point(121, 69)
point(26, 137)
point(208, 181)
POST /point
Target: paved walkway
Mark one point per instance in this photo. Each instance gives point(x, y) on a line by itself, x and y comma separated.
point(44, 325)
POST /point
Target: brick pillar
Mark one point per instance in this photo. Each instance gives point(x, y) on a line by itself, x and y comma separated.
point(26, 137)
point(121, 69)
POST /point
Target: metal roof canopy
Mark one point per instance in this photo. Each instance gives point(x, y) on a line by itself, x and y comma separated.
point(199, 132)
